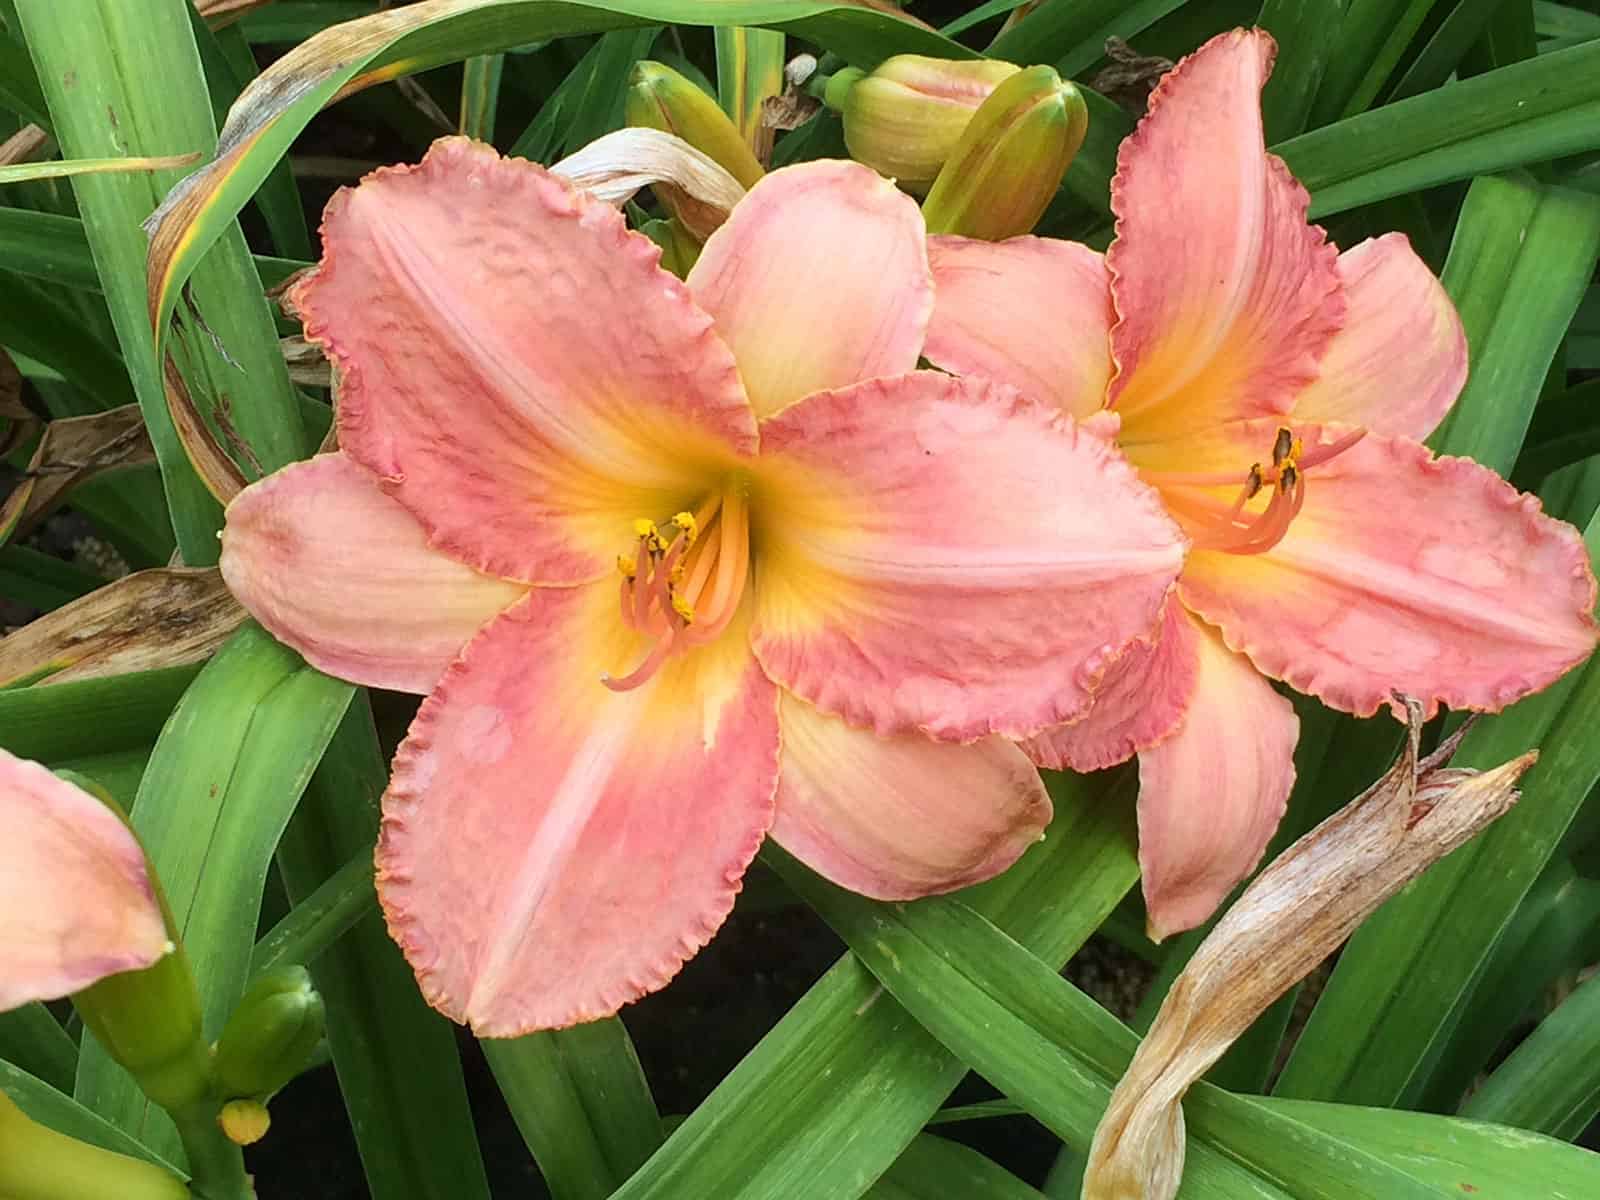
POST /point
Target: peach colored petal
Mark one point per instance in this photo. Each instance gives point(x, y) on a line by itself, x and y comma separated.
point(337, 569)
point(901, 817)
point(1141, 699)
point(76, 900)
point(1403, 572)
point(945, 555)
point(552, 849)
point(819, 279)
point(1400, 360)
point(1212, 794)
point(1032, 312)
point(1226, 298)
point(514, 365)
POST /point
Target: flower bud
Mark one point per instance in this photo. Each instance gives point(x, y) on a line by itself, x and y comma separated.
point(271, 1035)
point(906, 117)
point(244, 1122)
point(1010, 160)
point(660, 98)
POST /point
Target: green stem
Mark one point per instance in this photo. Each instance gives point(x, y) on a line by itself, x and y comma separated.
point(216, 1165)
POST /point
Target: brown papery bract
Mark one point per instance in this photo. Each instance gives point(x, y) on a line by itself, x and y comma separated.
point(1298, 910)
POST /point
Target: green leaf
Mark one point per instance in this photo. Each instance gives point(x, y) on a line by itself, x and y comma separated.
point(1447, 47)
point(1073, 36)
point(1405, 979)
point(40, 580)
point(32, 1039)
point(64, 721)
point(1371, 40)
point(225, 776)
point(321, 919)
point(396, 1058)
point(480, 95)
point(1307, 33)
point(105, 102)
point(1551, 1082)
point(842, 1084)
point(580, 1100)
point(1522, 256)
point(35, 323)
point(1530, 112)
point(934, 1168)
point(749, 69)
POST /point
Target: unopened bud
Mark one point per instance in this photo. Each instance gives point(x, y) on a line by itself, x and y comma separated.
point(271, 1035)
point(244, 1122)
point(906, 117)
point(1009, 162)
point(660, 98)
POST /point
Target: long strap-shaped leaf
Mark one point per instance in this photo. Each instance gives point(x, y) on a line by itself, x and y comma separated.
point(833, 1095)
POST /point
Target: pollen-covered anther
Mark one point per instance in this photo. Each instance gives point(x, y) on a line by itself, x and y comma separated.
point(684, 592)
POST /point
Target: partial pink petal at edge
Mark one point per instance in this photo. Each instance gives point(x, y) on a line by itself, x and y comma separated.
point(76, 900)
point(552, 850)
point(901, 817)
point(1212, 794)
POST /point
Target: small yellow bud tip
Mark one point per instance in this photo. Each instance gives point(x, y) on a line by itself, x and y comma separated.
point(244, 1122)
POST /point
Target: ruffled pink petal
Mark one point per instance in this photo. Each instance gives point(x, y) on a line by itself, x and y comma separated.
point(337, 569)
point(1141, 699)
point(945, 555)
point(552, 849)
point(1400, 360)
point(1212, 794)
point(1032, 312)
point(514, 365)
point(1226, 297)
point(1403, 572)
point(819, 279)
point(901, 817)
point(76, 900)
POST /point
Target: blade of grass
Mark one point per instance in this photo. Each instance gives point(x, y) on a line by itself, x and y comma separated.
point(933, 1168)
point(321, 919)
point(42, 581)
point(95, 716)
point(1447, 48)
point(480, 95)
point(1307, 32)
point(580, 1100)
point(395, 1057)
point(104, 102)
point(40, 326)
point(1073, 36)
point(1371, 40)
point(1520, 261)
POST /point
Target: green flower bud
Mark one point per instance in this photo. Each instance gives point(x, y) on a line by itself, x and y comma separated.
point(660, 98)
point(271, 1035)
point(1009, 163)
point(906, 117)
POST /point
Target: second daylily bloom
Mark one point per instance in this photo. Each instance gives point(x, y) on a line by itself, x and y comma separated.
point(1275, 391)
point(676, 563)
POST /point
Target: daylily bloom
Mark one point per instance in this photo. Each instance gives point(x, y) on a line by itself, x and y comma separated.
point(76, 900)
point(676, 563)
point(1275, 391)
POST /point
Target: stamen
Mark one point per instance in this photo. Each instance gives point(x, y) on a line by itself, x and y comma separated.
point(651, 664)
point(1322, 454)
point(1282, 445)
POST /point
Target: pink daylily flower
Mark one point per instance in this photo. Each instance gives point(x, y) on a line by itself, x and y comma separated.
point(676, 564)
point(1275, 391)
point(76, 899)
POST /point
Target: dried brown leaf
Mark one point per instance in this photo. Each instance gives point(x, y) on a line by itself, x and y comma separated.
point(1297, 911)
point(20, 421)
point(617, 165)
point(71, 451)
point(166, 617)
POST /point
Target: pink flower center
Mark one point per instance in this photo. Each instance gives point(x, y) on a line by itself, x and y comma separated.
point(1214, 524)
point(683, 582)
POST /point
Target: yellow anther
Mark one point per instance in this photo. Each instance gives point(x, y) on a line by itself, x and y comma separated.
point(1254, 480)
point(686, 522)
point(683, 608)
point(679, 570)
point(627, 565)
point(645, 528)
point(1283, 446)
point(1288, 477)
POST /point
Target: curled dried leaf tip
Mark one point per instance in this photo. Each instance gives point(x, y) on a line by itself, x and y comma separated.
point(1298, 910)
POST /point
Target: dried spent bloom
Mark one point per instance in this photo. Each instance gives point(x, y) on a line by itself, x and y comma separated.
point(1276, 393)
point(676, 562)
point(1291, 917)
